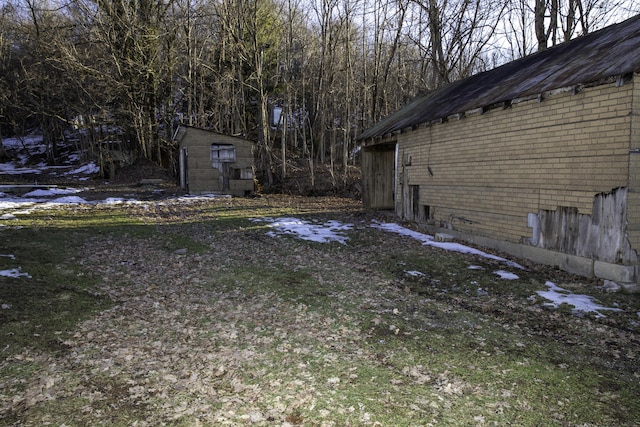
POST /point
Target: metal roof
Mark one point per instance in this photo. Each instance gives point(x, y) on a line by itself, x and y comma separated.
point(596, 57)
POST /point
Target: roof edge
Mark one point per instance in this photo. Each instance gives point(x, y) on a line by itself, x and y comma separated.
point(619, 79)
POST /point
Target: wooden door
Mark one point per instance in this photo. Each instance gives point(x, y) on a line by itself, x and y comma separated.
point(378, 171)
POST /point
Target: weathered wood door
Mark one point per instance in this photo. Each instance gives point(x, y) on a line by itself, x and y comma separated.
point(411, 202)
point(378, 171)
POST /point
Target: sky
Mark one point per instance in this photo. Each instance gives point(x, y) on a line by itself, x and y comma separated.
point(321, 232)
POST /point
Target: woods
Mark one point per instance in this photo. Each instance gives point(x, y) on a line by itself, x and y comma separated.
point(302, 78)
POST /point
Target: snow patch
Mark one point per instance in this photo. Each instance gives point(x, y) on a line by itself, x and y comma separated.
point(581, 303)
point(14, 273)
point(11, 169)
point(506, 275)
point(330, 231)
point(87, 169)
point(49, 192)
point(413, 273)
point(114, 201)
point(69, 200)
point(449, 246)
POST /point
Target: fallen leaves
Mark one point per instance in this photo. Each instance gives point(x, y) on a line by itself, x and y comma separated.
point(261, 332)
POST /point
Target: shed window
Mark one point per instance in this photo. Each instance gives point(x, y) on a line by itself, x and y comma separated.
point(222, 153)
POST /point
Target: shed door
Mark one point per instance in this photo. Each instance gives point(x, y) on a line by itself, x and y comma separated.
point(378, 171)
point(222, 155)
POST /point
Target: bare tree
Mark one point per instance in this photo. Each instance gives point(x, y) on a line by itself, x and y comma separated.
point(388, 18)
point(250, 33)
point(459, 32)
point(557, 21)
point(331, 67)
point(137, 48)
point(44, 95)
point(517, 29)
point(6, 13)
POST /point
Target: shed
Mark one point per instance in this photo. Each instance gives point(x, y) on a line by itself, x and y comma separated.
point(539, 157)
point(214, 163)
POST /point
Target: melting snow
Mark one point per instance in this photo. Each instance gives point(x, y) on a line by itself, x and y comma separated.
point(506, 275)
point(582, 303)
point(330, 231)
point(51, 192)
point(11, 169)
point(87, 169)
point(450, 246)
point(69, 200)
point(414, 273)
point(14, 272)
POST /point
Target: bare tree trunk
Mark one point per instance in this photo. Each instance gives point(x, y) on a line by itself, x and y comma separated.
point(263, 136)
point(283, 142)
point(440, 75)
point(348, 101)
point(553, 25)
point(541, 33)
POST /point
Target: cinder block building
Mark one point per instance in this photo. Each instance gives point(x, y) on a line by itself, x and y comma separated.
point(214, 163)
point(539, 157)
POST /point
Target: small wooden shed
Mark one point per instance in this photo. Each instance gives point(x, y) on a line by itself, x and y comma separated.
point(211, 162)
point(539, 157)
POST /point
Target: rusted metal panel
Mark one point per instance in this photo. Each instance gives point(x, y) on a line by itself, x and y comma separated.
point(612, 51)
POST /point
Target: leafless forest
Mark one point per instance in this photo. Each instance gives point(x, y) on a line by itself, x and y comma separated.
point(302, 78)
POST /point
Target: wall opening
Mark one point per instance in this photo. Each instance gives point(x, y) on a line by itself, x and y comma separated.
point(222, 153)
point(415, 195)
point(427, 212)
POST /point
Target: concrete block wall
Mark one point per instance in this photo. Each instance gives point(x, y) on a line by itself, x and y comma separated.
point(484, 173)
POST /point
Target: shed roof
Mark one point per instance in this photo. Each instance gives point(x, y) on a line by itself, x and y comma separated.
point(182, 130)
point(612, 51)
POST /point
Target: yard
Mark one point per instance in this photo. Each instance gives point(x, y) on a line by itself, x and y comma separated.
point(294, 311)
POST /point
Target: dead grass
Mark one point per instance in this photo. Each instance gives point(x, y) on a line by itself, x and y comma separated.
point(213, 322)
